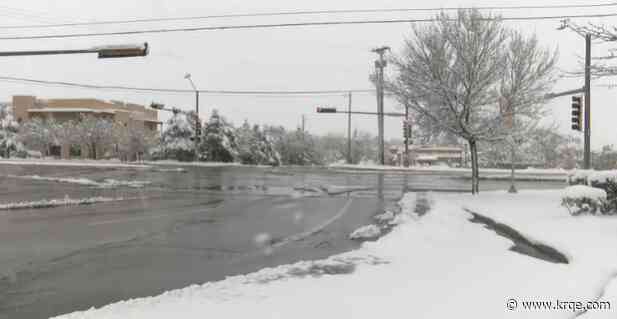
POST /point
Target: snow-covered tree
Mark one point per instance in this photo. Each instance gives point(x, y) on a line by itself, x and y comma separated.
point(218, 141)
point(95, 134)
point(468, 75)
point(133, 141)
point(255, 146)
point(9, 142)
point(176, 141)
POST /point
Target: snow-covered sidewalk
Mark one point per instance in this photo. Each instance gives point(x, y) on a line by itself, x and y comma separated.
point(439, 265)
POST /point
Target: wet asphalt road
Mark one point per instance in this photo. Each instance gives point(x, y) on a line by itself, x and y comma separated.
point(185, 227)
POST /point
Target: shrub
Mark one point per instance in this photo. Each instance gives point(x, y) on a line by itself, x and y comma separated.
point(601, 180)
point(581, 199)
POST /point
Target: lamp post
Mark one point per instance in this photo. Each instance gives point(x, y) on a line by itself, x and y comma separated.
point(197, 121)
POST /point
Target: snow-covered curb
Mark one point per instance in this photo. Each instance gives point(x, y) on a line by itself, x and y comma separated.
point(78, 163)
point(106, 183)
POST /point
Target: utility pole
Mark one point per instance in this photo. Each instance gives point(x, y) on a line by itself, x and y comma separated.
point(349, 128)
point(380, 64)
point(303, 126)
point(587, 100)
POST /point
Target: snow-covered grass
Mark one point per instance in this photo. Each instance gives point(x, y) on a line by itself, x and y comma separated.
point(488, 173)
point(46, 203)
point(72, 162)
point(439, 265)
point(106, 183)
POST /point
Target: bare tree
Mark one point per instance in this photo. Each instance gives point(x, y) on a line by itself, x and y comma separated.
point(469, 75)
point(132, 140)
point(601, 66)
point(94, 133)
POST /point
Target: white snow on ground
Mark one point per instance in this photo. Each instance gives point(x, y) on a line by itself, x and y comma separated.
point(366, 232)
point(579, 191)
point(439, 265)
point(73, 162)
point(107, 183)
point(45, 203)
point(384, 217)
point(486, 173)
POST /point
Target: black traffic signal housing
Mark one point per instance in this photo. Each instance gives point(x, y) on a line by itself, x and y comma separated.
point(326, 110)
point(406, 129)
point(577, 118)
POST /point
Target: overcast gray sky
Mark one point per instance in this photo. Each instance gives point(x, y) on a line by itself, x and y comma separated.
point(306, 58)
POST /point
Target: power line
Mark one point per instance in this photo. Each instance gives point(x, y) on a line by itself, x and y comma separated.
point(305, 12)
point(289, 25)
point(183, 91)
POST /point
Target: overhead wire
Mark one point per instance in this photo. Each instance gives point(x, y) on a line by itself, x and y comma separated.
point(305, 12)
point(287, 25)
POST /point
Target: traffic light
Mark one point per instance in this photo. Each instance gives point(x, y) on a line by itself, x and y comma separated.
point(407, 129)
point(326, 110)
point(198, 129)
point(577, 119)
point(122, 51)
point(157, 106)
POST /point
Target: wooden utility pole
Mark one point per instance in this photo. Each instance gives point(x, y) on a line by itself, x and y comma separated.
point(349, 160)
point(587, 100)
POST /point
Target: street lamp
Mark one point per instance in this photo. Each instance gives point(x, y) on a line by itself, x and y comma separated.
point(187, 76)
point(104, 52)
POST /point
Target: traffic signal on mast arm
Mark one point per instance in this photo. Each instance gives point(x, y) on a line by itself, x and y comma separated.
point(577, 118)
point(326, 110)
point(407, 129)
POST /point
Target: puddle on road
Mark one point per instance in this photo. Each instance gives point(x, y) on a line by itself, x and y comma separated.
point(522, 245)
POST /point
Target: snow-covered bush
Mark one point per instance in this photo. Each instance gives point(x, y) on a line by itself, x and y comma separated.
point(581, 199)
point(604, 180)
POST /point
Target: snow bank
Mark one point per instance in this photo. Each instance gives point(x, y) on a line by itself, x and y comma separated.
point(198, 164)
point(80, 163)
point(366, 232)
point(107, 183)
point(580, 191)
point(439, 265)
point(46, 203)
point(592, 176)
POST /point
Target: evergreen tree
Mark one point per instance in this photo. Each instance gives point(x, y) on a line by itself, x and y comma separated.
point(218, 142)
point(176, 140)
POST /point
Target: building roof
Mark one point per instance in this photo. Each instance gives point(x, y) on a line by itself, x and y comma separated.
point(69, 110)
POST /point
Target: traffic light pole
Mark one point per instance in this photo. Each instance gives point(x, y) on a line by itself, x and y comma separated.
point(587, 100)
point(349, 160)
point(406, 160)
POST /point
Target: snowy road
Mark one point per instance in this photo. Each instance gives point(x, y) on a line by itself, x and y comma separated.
point(170, 228)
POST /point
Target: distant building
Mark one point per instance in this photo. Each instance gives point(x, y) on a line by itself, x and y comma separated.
point(428, 155)
point(134, 115)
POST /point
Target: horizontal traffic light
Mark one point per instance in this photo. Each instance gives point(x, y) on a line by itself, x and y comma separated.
point(122, 51)
point(326, 110)
point(157, 106)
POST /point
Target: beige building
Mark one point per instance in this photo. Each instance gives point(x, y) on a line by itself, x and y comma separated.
point(134, 115)
point(429, 155)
